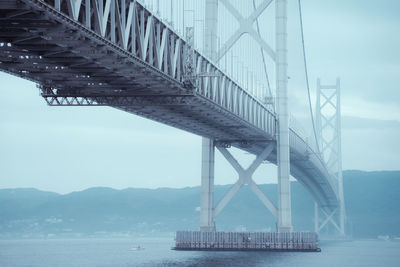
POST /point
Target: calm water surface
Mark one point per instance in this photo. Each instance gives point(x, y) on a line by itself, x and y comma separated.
point(117, 252)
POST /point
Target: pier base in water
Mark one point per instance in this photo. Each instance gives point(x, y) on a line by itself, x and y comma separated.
point(247, 241)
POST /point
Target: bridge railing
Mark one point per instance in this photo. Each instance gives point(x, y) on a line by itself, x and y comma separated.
point(304, 141)
point(304, 133)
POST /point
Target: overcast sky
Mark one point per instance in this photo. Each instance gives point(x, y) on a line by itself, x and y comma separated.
point(65, 149)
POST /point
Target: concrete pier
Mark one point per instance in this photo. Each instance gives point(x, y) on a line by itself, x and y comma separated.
point(247, 241)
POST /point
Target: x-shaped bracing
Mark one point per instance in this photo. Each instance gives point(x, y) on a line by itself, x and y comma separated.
point(329, 218)
point(245, 177)
point(245, 26)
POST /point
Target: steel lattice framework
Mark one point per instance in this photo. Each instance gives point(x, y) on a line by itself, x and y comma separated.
point(117, 53)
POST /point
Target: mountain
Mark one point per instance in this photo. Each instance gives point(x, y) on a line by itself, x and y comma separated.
point(372, 205)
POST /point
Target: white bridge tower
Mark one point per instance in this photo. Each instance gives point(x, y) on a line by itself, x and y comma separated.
point(282, 213)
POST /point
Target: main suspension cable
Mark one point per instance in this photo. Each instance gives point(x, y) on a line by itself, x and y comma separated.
point(307, 81)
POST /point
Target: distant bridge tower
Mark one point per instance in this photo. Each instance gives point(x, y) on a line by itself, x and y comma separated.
point(283, 212)
point(328, 126)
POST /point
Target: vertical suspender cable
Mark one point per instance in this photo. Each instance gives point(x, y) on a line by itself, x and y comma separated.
point(171, 10)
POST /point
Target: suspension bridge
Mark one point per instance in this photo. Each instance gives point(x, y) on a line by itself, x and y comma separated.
point(155, 61)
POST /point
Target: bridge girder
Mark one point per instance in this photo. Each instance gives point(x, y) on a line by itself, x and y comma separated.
point(146, 59)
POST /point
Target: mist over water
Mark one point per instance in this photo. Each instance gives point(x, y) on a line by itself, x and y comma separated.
point(157, 252)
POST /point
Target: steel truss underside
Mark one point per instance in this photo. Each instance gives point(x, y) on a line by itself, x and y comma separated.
point(86, 70)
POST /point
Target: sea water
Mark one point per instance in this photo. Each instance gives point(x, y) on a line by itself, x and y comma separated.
point(157, 252)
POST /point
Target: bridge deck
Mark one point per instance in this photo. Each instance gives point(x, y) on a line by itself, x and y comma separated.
point(139, 69)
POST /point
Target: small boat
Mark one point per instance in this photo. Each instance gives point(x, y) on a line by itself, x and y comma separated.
point(137, 248)
point(383, 237)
